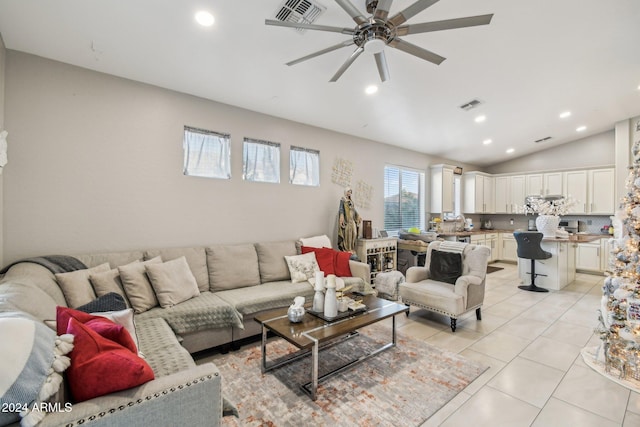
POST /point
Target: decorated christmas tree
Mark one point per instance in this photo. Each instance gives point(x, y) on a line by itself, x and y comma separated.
point(619, 326)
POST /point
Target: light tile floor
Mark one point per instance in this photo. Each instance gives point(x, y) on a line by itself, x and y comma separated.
point(531, 342)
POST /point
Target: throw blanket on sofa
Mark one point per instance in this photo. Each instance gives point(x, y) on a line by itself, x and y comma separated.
point(55, 263)
point(206, 311)
point(457, 247)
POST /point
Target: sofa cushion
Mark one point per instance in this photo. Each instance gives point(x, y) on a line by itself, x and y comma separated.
point(438, 295)
point(137, 286)
point(38, 275)
point(95, 361)
point(172, 282)
point(271, 261)
point(113, 258)
point(266, 296)
point(32, 365)
point(76, 286)
point(206, 311)
point(232, 266)
point(161, 348)
point(108, 282)
point(302, 267)
point(196, 258)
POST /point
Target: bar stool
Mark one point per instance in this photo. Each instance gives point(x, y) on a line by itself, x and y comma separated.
point(529, 248)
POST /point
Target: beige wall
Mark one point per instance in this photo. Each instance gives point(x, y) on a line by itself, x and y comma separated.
point(593, 151)
point(3, 56)
point(96, 165)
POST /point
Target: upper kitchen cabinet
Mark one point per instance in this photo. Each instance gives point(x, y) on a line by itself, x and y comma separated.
point(544, 184)
point(575, 186)
point(601, 185)
point(442, 188)
point(478, 193)
point(510, 192)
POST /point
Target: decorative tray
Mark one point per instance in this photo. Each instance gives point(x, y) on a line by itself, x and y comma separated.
point(340, 316)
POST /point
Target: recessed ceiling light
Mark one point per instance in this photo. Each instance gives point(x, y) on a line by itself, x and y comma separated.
point(487, 141)
point(581, 129)
point(510, 150)
point(565, 114)
point(480, 119)
point(370, 90)
point(204, 18)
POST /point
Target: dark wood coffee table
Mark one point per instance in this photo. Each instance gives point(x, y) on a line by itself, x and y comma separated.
point(313, 334)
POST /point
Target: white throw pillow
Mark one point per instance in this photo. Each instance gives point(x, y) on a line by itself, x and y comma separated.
point(316, 241)
point(173, 282)
point(302, 267)
point(123, 318)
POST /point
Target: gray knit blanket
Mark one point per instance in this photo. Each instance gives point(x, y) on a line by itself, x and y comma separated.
point(55, 263)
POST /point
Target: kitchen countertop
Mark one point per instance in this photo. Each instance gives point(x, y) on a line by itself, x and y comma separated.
point(584, 238)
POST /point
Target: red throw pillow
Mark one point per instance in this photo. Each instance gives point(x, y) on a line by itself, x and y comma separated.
point(100, 366)
point(103, 326)
point(341, 264)
point(324, 256)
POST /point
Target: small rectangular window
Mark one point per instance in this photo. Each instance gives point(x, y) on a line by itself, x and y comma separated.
point(260, 161)
point(304, 166)
point(403, 199)
point(206, 153)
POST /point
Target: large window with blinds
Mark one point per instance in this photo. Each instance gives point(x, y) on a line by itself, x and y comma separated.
point(403, 199)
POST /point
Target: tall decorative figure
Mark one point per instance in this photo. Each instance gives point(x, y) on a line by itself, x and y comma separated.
point(349, 223)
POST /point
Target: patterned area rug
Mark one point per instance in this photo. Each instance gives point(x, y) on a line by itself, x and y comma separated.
point(402, 386)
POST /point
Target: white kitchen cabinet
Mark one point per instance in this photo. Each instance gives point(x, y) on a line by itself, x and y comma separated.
point(554, 273)
point(478, 193)
point(442, 192)
point(502, 194)
point(518, 191)
point(491, 240)
point(575, 186)
point(588, 256)
point(544, 184)
point(571, 261)
point(509, 250)
point(605, 253)
point(601, 187)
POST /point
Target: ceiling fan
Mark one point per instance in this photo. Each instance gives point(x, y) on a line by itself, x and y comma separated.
point(374, 33)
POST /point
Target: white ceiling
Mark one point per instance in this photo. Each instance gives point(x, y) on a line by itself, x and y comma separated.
point(535, 60)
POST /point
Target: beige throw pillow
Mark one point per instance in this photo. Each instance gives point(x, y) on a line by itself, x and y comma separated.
point(107, 282)
point(137, 286)
point(76, 286)
point(302, 267)
point(173, 282)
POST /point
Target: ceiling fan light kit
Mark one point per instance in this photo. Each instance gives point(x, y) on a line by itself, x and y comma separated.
point(375, 33)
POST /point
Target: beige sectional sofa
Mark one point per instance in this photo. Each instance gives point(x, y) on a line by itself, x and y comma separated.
point(235, 283)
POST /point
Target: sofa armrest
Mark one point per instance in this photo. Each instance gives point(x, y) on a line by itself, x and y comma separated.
point(191, 398)
point(462, 284)
point(417, 274)
point(360, 269)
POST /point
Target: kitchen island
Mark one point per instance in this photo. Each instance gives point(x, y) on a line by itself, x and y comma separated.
point(558, 271)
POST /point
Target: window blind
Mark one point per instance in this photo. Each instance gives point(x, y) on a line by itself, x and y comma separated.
point(206, 153)
point(403, 198)
point(304, 166)
point(260, 161)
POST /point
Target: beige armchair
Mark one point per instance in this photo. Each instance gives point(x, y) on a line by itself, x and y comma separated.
point(449, 299)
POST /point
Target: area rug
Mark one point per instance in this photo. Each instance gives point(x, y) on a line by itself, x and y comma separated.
point(402, 386)
point(492, 269)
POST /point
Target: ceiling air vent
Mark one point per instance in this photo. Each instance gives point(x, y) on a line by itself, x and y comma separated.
point(299, 11)
point(470, 105)
point(546, 138)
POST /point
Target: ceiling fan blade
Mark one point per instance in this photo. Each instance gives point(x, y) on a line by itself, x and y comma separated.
point(447, 24)
point(414, 50)
point(353, 11)
point(347, 64)
point(301, 25)
point(321, 52)
point(411, 11)
point(382, 10)
point(383, 69)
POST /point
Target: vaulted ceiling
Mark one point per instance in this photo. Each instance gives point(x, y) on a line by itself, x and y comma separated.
point(534, 61)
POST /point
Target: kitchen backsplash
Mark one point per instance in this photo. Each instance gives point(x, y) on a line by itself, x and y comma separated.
point(589, 224)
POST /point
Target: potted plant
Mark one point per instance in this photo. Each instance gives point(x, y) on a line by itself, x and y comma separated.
point(549, 211)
